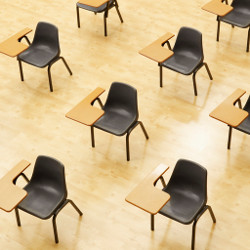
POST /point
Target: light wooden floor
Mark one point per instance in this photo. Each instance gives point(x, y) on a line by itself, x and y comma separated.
point(32, 122)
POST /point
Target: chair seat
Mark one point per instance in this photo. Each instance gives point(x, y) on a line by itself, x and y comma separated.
point(238, 17)
point(93, 9)
point(182, 63)
point(41, 202)
point(39, 56)
point(116, 121)
point(182, 208)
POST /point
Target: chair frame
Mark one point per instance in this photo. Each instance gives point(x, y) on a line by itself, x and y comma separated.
point(49, 73)
point(127, 136)
point(49, 65)
point(193, 73)
point(105, 16)
point(218, 33)
point(132, 127)
point(218, 30)
point(62, 205)
point(54, 216)
point(200, 213)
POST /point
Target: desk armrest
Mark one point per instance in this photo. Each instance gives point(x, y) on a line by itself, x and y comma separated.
point(217, 7)
point(155, 51)
point(226, 112)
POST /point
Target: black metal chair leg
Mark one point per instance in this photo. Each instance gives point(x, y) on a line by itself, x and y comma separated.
point(78, 16)
point(57, 212)
point(129, 132)
point(193, 235)
point(160, 75)
point(17, 217)
point(218, 30)
point(196, 220)
point(127, 146)
point(152, 222)
point(248, 39)
point(211, 213)
point(92, 136)
point(144, 130)
point(66, 65)
point(229, 137)
point(55, 228)
point(208, 71)
point(118, 12)
point(21, 70)
point(75, 207)
point(50, 79)
point(105, 24)
point(194, 83)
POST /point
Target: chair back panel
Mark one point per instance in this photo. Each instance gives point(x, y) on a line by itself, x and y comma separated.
point(124, 97)
point(189, 41)
point(47, 34)
point(244, 5)
point(49, 173)
point(189, 178)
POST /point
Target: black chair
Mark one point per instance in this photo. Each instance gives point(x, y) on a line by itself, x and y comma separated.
point(188, 55)
point(103, 8)
point(121, 113)
point(188, 195)
point(239, 16)
point(47, 192)
point(43, 51)
point(244, 126)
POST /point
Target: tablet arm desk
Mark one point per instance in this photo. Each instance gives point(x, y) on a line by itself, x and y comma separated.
point(226, 112)
point(156, 52)
point(84, 112)
point(217, 7)
point(10, 194)
point(146, 196)
point(12, 46)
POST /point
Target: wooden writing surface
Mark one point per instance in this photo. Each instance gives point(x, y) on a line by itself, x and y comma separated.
point(217, 7)
point(146, 196)
point(10, 194)
point(84, 112)
point(12, 47)
point(156, 52)
point(226, 112)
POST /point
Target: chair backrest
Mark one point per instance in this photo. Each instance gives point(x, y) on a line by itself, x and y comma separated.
point(122, 96)
point(47, 34)
point(190, 178)
point(49, 173)
point(244, 5)
point(189, 41)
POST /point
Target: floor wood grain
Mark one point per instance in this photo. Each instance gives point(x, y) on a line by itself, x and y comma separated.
point(32, 122)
